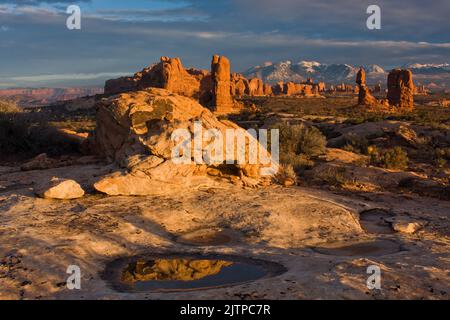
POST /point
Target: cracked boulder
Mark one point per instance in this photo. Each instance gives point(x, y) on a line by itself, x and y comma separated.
point(135, 130)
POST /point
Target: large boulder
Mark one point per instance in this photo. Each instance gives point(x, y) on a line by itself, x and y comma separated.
point(135, 131)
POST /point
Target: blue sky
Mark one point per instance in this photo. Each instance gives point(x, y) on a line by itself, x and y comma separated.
point(121, 37)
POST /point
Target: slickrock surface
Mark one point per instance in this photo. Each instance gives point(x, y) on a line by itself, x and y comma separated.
point(41, 238)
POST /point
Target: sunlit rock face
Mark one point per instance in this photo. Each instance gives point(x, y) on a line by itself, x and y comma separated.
point(365, 98)
point(135, 130)
point(172, 270)
point(401, 89)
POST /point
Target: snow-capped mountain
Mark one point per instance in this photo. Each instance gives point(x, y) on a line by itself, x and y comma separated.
point(302, 70)
point(428, 68)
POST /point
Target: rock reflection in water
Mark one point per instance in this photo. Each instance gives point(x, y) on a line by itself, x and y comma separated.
point(172, 270)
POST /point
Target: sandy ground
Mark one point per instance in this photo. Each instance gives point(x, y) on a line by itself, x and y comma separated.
point(41, 238)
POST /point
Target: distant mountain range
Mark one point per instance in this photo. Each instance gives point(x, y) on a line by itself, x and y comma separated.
point(433, 75)
point(36, 97)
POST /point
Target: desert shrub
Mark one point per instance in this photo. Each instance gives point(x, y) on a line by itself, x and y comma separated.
point(334, 176)
point(443, 153)
point(354, 143)
point(298, 144)
point(24, 135)
point(8, 107)
point(298, 162)
point(393, 158)
point(441, 156)
point(286, 172)
point(301, 139)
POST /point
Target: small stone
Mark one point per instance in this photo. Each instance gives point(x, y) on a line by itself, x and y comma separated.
point(406, 226)
point(60, 189)
point(288, 182)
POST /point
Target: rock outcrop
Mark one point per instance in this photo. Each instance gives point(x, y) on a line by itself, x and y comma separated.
point(222, 100)
point(239, 85)
point(168, 74)
point(365, 98)
point(256, 87)
point(401, 89)
point(135, 131)
point(267, 89)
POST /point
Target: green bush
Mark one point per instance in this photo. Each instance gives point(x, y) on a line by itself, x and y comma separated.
point(354, 143)
point(333, 176)
point(298, 144)
point(442, 156)
point(393, 158)
point(301, 140)
point(298, 162)
point(286, 172)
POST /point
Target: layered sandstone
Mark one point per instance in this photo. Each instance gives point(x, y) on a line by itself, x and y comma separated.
point(168, 74)
point(401, 89)
point(222, 100)
point(239, 85)
point(256, 87)
point(135, 131)
point(365, 98)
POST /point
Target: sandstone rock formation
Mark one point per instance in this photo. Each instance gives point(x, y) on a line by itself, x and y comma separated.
point(239, 85)
point(290, 89)
point(377, 88)
point(267, 89)
point(401, 89)
point(278, 88)
point(60, 189)
point(365, 98)
point(256, 87)
point(321, 86)
point(421, 90)
point(134, 130)
point(222, 100)
point(168, 74)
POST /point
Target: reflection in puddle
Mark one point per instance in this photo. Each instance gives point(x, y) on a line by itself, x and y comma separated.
point(174, 269)
point(180, 273)
point(361, 249)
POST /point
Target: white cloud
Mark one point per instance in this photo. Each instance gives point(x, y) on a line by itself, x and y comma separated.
point(75, 76)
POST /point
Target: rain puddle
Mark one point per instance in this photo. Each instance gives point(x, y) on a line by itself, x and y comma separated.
point(376, 221)
point(208, 237)
point(185, 273)
point(361, 249)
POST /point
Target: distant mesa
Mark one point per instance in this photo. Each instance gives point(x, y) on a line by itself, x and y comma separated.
point(27, 97)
